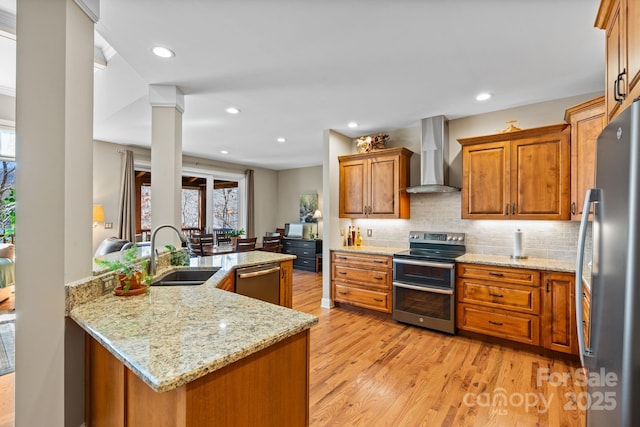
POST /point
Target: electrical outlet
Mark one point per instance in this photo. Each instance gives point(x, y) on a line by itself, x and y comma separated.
point(108, 225)
point(369, 232)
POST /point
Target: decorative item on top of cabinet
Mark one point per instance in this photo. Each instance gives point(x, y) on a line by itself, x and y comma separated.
point(522, 174)
point(363, 280)
point(373, 185)
point(587, 121)
point(621, 21)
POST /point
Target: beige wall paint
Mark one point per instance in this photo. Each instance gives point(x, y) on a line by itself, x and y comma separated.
point(291, 184)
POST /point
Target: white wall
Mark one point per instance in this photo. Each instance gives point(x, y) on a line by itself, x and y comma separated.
point(291, 184)
point(7, 109)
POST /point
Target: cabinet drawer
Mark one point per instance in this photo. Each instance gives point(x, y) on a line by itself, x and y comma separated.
point(365, 260)
point(376, 300)
point(503, 324)
point(519, 276)
point(307, 244)
point(380, 279)
point(524, 299)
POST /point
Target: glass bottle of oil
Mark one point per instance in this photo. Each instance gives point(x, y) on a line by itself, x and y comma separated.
point(359, 238)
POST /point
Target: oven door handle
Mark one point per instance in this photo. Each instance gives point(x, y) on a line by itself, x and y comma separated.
point(424, 288)
point(425, 263)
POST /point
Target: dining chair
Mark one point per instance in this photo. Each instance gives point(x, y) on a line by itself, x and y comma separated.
point(271, 243)
point(200, 245)
point(222, 239)
point(245, 245)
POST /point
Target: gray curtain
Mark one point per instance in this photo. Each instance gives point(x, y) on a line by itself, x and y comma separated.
point(127, 207)
point(251, 226)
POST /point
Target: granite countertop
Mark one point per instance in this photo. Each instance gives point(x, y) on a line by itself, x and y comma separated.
point(507, 261)
point(371, 250)
point(175, 334)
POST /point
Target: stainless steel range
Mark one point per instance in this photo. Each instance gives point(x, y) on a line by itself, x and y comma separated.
point(424, 280)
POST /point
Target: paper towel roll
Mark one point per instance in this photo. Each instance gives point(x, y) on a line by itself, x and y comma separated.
point(517, 245)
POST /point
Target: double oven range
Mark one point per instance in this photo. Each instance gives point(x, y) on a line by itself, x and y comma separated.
point(424, 280)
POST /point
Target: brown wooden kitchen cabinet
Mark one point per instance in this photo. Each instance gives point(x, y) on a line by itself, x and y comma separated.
point(558, 312)
point(372, 185)
point(587, 121)
point(498, 301)
point(621, 21)
point(518, 304)
point(363, 280)
point(272, 383)
point(517, 175)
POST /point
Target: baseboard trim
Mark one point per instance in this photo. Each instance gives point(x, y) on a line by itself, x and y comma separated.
point(326, 303)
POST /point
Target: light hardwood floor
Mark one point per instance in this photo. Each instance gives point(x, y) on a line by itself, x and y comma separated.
point(367, 370)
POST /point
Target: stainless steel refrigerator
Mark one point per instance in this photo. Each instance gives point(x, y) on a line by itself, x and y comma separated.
point(613, 354)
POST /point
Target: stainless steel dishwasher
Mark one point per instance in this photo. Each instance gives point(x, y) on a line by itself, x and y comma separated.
point(261, 282)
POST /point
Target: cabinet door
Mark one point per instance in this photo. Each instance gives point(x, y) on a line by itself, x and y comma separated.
point(383, 186)
point(286, 283)
point(615, 62)
point(486, 176)
point(558, 314)
point(585, 128)
point(633, 47)
point(540, 177)
point(353, 188)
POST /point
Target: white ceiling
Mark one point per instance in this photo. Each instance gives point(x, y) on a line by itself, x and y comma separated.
point(297, 67)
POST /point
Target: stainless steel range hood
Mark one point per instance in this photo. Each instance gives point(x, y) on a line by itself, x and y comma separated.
point(434, 161)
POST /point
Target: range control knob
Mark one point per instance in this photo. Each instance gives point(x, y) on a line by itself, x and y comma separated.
point(460, 238)
point(449, 238)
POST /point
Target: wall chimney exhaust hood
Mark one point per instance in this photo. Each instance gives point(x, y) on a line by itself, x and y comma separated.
point(434, 157)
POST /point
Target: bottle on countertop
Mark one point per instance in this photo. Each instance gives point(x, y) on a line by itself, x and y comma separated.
point(353, 235)
point(349, 241)
point(359, 238)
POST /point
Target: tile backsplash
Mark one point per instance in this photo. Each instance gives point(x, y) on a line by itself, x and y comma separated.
point(441, 212)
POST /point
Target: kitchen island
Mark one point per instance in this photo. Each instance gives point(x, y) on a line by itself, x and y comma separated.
point(196, 355)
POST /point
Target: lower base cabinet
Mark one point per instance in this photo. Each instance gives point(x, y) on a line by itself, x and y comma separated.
point(524, 305)
point(267, 388)
point(362, 280)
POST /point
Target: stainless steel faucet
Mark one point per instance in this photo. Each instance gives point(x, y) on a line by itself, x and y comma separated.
point(152, 260)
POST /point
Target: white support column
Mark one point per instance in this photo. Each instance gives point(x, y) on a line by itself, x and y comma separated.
point(54, 174)
point(167, 104)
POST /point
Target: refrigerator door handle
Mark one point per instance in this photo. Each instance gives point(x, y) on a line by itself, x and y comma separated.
point(592, 196)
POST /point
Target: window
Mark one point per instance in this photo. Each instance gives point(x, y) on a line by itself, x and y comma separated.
point(225, 204)
point(7, 183)
point(210, 200)
point(193, 202)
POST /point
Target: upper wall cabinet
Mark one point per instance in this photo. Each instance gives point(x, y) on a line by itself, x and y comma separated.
point(372, 185)
point(523, 174)
point(621, 21)
point(587, 121)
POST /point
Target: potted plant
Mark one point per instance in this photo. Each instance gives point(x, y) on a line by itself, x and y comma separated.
point(234, 234)
point(178, 257)
point(131, 270)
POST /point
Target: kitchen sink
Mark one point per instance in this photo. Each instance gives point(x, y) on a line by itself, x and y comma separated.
point(196, 276)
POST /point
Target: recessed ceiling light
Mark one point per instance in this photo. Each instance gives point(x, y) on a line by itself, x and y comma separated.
point(224, 152)
point(163, 52)
point(281, 140)
point(232, 110)
point(483, 96)
point(352, 125)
